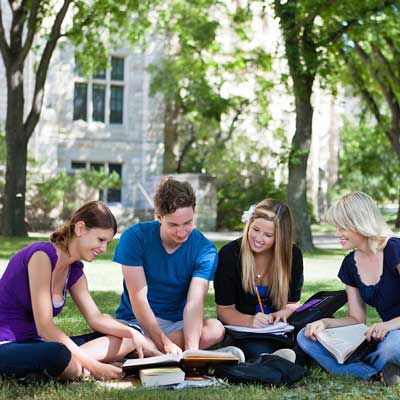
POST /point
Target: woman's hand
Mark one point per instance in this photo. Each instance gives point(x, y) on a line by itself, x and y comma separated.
point(280, 315)
point(379, 331)
point(143, 345)
point(104, 371)
point(260, 320)
point(313, 328)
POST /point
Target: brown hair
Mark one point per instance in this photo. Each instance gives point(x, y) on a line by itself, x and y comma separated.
point(172, 194)
point(94, 214)
point(280, 270)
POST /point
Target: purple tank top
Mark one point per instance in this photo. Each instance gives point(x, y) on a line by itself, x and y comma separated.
point(16, 316)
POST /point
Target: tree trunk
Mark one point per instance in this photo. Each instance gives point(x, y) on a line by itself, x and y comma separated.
point(297, 182)
point(17, 149)
point(170, 138)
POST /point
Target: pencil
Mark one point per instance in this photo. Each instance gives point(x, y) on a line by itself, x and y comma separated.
point(259, 300)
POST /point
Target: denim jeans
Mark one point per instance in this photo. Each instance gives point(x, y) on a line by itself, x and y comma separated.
point(387, 350)
point(37, 358)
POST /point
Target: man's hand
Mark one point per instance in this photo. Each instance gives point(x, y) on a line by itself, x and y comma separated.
point(170, 347)
point(143, 345)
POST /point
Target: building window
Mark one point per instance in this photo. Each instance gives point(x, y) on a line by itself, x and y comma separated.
point(80, 101)
point(101, 98)
point(106, 195)
point(99, 102)
point(114, 195)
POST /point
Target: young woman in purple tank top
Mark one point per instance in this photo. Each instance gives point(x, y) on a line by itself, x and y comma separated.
point(33, 290)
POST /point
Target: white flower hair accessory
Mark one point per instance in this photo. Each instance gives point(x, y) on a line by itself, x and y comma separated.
point(247, 214)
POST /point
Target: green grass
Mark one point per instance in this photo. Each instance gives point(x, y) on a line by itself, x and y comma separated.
point(319, 385)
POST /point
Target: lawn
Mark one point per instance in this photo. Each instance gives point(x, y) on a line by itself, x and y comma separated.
point(318, 385)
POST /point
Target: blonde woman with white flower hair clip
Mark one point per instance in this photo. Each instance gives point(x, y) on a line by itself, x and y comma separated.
point(260, 275)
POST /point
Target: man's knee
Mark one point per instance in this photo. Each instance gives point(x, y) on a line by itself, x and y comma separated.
point(215, 329)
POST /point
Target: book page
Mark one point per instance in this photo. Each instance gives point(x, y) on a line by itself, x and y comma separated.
point(207, 354)
point(163, 359)
point(343, 340)
point(278, 328)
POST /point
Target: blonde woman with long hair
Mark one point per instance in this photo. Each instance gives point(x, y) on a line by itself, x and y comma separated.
point(371, 273)
point(260, 275)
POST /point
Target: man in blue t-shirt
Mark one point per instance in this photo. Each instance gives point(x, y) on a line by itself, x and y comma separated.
point(167, 266)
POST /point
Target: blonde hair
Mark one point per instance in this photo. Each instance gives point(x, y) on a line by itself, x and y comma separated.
point(358, 212)
point(279, 272)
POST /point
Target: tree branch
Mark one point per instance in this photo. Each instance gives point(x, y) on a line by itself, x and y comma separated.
point(32, 27)
point(17, 24)
point(186, 148)
point(360, 83)
point(41, 73)
point(336, 35)
point(386, 90)
point(4, 48)
point(395, 52)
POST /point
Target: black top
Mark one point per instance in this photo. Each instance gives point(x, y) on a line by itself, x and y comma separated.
point(385, 294)
point(228, 280)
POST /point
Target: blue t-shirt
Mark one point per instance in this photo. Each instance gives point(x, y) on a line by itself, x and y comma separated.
point(168, 276)
point(384, 295)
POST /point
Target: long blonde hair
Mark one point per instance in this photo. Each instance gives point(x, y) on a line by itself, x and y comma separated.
point(279, 272)
point(357, 212)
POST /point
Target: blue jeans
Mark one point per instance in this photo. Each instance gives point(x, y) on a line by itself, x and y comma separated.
point(387, 350)
point(37, 358)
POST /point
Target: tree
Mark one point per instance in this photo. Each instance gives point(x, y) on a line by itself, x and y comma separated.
point(35, 28)
point(309, 29)
point(200, 116)
point(372, 68)
point(364, 151)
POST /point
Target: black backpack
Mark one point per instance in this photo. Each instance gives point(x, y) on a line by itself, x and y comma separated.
point(320, 305)
point(267, 369)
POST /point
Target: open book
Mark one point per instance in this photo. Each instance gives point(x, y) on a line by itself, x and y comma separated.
point(347, 343)
point(189, 358)
point(277, 329)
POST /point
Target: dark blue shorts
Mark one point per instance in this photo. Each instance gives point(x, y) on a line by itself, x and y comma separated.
point(36, 358)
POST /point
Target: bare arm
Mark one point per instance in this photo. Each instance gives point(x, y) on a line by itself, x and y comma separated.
point(39, 272)
point(104, 323)
point(136, 284)
point(356, 315)
point(193, 314)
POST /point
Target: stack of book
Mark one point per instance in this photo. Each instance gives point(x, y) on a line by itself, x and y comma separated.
point(168, 369)
point(161, 376)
